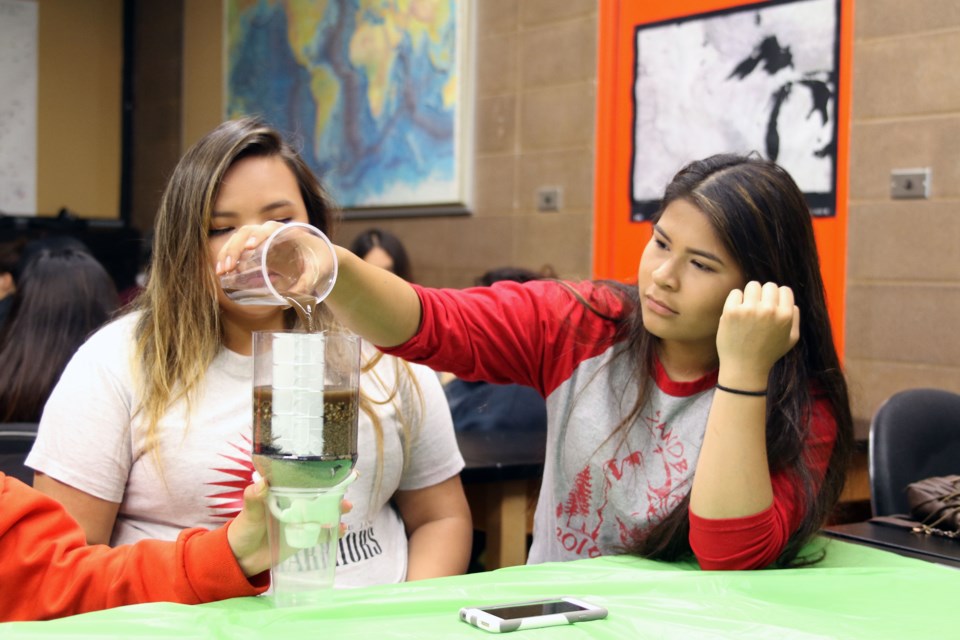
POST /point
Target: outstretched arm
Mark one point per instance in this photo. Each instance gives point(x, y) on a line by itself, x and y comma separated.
point(379, 306)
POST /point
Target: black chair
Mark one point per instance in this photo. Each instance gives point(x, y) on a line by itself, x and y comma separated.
point(16, 438)
point(915, 434)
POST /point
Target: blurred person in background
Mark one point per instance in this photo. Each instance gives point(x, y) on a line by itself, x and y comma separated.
point(63, 295)
point(385, 250)
point(9, 255)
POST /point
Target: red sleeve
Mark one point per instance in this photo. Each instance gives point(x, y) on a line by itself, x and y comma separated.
point(48, 571)
point(532, 334)
point(755, 541)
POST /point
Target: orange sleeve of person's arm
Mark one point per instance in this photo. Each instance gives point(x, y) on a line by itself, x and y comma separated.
point(47, 570)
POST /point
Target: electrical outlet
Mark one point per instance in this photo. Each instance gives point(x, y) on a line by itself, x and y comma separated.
point(910, 183)
point(548, 198)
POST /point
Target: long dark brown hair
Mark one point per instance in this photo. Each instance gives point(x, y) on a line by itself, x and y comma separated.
point(762, 219)
point(63, 295)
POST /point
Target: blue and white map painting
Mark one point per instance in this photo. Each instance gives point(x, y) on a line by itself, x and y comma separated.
point(371, 89)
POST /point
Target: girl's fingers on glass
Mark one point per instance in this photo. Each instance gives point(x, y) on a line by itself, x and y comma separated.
point(243, 239)
point(345, 507)
point(230, 252)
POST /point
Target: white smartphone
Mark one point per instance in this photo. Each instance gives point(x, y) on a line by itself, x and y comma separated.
point(513, 616)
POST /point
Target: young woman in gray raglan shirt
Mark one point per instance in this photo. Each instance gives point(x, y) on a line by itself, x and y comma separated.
point(699, 412)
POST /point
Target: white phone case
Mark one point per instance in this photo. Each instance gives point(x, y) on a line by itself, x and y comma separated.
point(487, 619)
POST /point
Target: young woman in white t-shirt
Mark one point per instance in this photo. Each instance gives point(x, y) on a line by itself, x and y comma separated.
point(148, 430)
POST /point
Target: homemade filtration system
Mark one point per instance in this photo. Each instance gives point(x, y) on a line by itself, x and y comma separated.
point(306, 408)
point(306, 391)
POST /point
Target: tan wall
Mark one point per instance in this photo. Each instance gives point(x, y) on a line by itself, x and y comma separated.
point(535, 103)
point(903, 273)
point(202, 69)
point(78, 117)
point(536, 89)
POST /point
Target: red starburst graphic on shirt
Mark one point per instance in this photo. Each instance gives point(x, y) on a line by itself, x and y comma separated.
point(227, 504)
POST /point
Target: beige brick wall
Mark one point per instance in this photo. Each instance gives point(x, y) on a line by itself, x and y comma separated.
point(903, 271)
point(535, 88)
point(535, 102)
point(79, 60)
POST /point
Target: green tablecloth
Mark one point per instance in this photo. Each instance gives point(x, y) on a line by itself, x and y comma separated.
point(857, 592)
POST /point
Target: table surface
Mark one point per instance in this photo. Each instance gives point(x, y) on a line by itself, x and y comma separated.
point(901, 541)
point(856, 592)
point(494, 456)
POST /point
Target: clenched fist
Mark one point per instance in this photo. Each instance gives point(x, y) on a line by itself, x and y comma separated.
point(758, 326)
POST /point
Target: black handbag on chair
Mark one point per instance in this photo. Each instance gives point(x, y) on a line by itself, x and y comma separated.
point(935, 505)
point(934, 508)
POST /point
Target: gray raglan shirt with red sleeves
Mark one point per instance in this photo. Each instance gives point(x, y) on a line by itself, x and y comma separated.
point(599, 491)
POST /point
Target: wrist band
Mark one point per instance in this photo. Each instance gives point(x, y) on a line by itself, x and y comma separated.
point(741, 392)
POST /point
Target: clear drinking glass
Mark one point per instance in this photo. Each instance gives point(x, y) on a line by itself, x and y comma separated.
point(296, 261)
point(305, 416)
point(303, 532)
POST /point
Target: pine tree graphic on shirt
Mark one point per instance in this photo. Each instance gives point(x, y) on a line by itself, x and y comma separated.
point(651, 487)
point(578, 501)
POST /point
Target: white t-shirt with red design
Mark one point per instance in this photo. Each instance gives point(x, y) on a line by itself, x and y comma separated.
point(90, 439)
point(599, 492)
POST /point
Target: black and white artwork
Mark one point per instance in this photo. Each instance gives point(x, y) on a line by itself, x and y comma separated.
point(760, 78)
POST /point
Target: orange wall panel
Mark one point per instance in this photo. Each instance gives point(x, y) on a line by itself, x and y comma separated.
point(618, 241)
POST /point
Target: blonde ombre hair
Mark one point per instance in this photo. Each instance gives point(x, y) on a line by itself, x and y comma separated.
point(179, 332)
